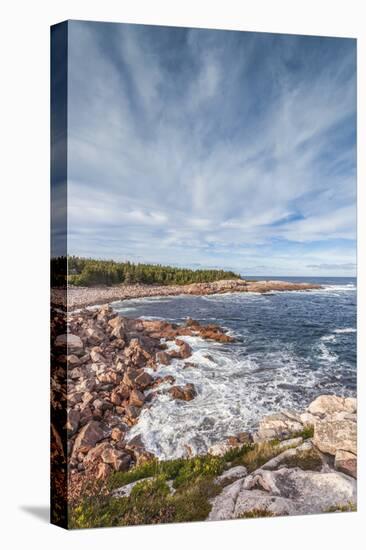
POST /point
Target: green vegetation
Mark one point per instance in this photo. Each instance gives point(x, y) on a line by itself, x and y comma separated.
point(350, 507)
point(153, 501)
point(181, 470)
point(89, 272)
point(150, 502)
point(306, 433)
point(306, 460)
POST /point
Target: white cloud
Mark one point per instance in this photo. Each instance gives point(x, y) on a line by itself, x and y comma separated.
point(154, 169)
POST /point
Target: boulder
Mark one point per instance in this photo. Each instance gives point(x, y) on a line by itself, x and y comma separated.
point(279, 425)
point(136, 354)
point(75, 373)
point(144, 380)
point(96, 356)
point(117, 434)
point(70, 341)
point(132, 412)
point(346, 462)
point(136, 398)
point(118, 459)
point(123, 391)
point(109, 377)
point(115, 397)
point(185, 349)
point(331, 435)
point(163, 358)
point(88, 397)
point(329, 404)
point(95, 454)
point(88, 437)
point(116, 321)
point(129, 378)
point(73, 361)
point(95, 336)
point(184, 393)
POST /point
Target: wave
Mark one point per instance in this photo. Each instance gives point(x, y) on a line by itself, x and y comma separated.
point(234, 390)
point(345, 330)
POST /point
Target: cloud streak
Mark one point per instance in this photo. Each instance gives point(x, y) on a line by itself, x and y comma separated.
point(220, 148)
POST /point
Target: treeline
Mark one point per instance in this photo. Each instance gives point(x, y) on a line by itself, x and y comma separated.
point(89, 272)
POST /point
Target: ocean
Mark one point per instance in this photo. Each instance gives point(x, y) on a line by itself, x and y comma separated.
point(289, 348)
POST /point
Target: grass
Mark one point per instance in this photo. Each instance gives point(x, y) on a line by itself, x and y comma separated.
point(151, 500)
point(306, 433)
point(254, 456)
point(181, 470)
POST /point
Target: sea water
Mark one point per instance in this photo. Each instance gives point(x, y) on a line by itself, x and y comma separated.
point(289, 348)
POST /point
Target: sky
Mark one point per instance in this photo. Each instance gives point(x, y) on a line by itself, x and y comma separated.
point(209, 148)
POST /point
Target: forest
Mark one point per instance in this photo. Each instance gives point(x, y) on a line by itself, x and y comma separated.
point(91, 272)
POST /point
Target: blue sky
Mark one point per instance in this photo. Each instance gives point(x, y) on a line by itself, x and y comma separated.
point(212, 148)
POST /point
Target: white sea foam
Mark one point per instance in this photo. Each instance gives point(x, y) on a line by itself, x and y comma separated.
point(328, 338)
point(326, 354)
point(345, 330)
point(233, 391)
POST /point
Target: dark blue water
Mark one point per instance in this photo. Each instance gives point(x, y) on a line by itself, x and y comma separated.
point(289, 348)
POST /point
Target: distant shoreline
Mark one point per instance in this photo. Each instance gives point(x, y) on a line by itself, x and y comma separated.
point(78, 297)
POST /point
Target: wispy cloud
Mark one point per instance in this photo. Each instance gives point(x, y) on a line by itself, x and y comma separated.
point(212, 147)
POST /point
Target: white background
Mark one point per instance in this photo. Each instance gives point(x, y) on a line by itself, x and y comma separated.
point(24, 203)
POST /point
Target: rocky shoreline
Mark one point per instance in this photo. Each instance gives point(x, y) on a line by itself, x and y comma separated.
point(78, 297)
point(107, 357)
point(108, 361)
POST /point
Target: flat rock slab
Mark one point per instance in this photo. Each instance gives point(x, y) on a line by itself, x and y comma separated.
point(223, 506)
point(237, 472)
point(284, 492)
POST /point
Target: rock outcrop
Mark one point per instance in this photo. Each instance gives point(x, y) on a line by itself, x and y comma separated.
point(284, 492)
point(110, 363)
point(334, 422)
point(312, 476)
